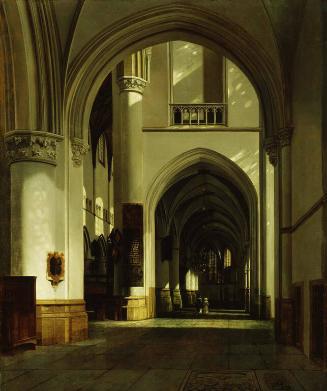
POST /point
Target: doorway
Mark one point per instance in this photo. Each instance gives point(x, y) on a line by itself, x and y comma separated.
point(317, 306)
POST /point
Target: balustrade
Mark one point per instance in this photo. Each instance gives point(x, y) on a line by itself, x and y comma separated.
point(198, 114)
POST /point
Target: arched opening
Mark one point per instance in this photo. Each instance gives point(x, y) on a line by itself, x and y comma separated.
point(193, 74)
point(191, 24)
point(205, 239)
point(177, 104)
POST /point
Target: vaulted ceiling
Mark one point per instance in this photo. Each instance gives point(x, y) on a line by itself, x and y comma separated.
point(204, 210)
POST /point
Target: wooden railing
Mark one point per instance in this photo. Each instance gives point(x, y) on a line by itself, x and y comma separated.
point(198, 114)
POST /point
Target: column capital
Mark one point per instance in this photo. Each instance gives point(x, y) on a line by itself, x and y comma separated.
point(271, 147)
point(31, 145)
point(285, 136)
point(131, 83)
point(79, 149)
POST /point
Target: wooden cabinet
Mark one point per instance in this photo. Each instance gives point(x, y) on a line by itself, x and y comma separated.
point(17, 311)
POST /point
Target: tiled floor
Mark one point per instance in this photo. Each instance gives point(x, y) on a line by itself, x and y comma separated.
point(166, 354)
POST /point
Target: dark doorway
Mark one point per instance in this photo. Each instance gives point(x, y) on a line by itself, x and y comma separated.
point(317, 321)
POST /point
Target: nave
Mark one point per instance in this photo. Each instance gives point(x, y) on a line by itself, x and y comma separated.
point(167, 354)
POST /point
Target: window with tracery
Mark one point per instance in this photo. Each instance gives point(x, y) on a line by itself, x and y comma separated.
point(227, 258)
point(102, 150)
point(209, 264)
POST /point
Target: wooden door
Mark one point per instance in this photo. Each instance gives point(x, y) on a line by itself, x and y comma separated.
point(317, 321)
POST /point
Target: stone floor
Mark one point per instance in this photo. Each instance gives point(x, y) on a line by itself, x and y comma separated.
point(166, 354)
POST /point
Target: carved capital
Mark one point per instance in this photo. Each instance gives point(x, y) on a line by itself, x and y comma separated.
point(79, 149)
point(271, 147)
point(285, 136)
point(25, 145)
point(131, 83)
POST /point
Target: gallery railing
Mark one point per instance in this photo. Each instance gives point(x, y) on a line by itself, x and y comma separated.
point(198, 114)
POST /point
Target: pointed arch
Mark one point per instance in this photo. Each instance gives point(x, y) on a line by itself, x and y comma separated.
point(160, 24)
point(180, 167)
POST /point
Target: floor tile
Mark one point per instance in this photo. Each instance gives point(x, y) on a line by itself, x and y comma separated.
point(312, 380)
point(116, 380)
point(160, 354)
point(278, 380)
point(160, 380)
point(29, 380)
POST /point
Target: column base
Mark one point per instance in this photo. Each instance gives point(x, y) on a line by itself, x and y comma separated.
point(176, 299)
point(193, 294)
point(164, 303)
point(266, 307)
point(247, 299)
point(284, 323)
point(187, 298)
point(150, 300)
point(134, 308)
point(61, 321)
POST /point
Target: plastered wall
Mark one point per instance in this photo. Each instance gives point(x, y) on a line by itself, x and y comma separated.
point(306, 157)
point(96, 185)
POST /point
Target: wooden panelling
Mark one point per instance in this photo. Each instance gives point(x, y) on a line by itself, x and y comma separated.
point(61, 321)
point(18, 311)
point(298, 292)
point(318, 323)
point(284, 321)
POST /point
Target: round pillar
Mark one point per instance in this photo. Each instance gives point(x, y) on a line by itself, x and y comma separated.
point(131, 90)
point(164, 303)
point(39, 233)
point(174, 279)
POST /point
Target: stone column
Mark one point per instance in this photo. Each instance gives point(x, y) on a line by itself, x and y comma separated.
point(164, 303)
point(188, 288)
point(32, 157)
point(285, 272)
point(193, 286)
point(132, 81)
point(174, 278)
point(38, 189)
point(284, 302)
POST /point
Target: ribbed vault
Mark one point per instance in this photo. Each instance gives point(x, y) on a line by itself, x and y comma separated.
point(204, 210)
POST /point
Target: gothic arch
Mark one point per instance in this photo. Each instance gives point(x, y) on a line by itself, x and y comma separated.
point(160, 24)
point(182, 166)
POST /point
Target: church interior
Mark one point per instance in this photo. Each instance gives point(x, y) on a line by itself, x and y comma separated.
point(163, 195)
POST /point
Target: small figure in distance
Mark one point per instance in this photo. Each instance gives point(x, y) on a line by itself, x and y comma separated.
point(198, 303)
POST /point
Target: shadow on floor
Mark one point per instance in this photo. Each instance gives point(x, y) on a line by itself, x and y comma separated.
point(191, 313)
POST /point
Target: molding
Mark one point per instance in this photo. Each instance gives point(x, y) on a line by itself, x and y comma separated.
point(301, 220)
point(79, 149)
point(200, 128)
point(8, 109)
point(48, 59)
point(271, 148)
point(35, 146)
point(131, 84)
point(285, 136)
point(61, 302)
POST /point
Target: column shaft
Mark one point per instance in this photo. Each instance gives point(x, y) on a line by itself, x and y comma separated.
point(174, 279)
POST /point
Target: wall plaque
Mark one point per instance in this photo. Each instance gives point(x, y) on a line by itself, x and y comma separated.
point(55, 267)
point(133, 243)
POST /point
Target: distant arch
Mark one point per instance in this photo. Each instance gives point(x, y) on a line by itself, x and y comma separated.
point(182, 166)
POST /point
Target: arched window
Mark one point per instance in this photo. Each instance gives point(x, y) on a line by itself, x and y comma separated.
point(99, 228)
point(227, 258)
point(102, 150)
point(212, 263)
